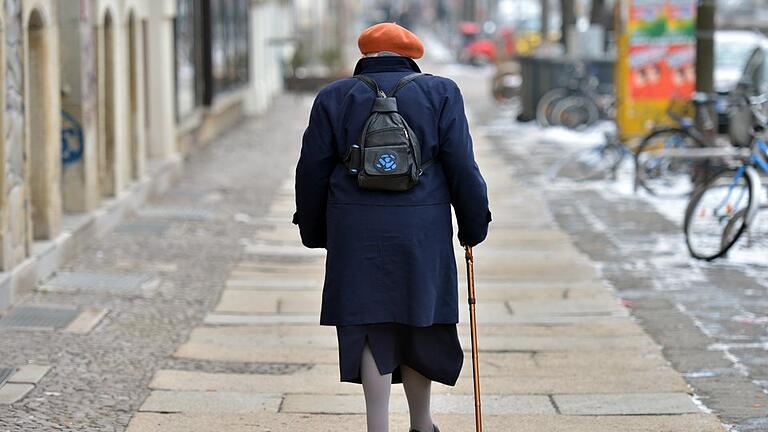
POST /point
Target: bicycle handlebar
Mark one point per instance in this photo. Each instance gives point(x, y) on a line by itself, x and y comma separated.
point(701, 98)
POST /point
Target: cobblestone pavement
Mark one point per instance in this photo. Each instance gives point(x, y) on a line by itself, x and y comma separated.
point(187, 240)
point(710, 318)
point(225, 335)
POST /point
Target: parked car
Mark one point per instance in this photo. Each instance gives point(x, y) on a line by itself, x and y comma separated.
point(733, 51)
point(739, 67)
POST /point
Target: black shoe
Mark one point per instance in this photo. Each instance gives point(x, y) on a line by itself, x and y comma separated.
point(433, 430)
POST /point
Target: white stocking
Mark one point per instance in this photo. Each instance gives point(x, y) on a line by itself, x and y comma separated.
point(418, 390)
point(376, 388)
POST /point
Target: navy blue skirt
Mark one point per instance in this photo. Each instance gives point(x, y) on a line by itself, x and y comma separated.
point(433, 351)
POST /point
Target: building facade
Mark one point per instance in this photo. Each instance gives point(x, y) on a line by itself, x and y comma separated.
point(101, 100)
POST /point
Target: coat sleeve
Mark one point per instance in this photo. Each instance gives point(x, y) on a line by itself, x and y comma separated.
point(316, 163)
point(469, 194)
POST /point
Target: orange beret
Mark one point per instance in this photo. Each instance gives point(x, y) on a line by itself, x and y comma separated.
point(390, 37)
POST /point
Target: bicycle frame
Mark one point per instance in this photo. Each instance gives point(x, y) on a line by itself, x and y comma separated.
point(755, 161)
point(749, 171)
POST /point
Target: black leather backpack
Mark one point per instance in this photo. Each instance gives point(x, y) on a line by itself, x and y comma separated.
point(388, 155)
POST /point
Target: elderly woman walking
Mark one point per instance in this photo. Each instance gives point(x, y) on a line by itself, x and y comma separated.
point(385, 156)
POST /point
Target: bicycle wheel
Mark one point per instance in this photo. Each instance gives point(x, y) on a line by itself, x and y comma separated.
point(591, 164)
point(712, 222)
point(732, 228)
point(575, 112)
point(547, 104)
point(659, 173)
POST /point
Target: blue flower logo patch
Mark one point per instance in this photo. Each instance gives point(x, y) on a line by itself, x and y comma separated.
point(386, 162)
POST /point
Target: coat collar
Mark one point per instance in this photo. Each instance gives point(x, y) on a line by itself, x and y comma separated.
point(386, 64)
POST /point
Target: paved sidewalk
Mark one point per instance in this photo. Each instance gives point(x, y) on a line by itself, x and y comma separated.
point(558, 352)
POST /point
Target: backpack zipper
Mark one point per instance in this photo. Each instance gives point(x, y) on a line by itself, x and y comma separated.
point(389, 129)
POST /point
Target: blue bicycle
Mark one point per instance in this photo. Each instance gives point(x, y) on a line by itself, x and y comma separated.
point(726, 207)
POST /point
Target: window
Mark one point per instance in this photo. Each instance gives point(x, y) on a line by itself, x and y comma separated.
point(229, 44)
point(211, 42)
point(189, 65)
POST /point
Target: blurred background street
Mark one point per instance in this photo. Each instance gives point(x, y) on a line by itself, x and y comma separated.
point(151, 279)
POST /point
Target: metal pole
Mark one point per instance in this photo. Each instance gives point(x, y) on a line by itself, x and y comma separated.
point(705, 52)
point(545, 12)
point(473, 331)
point(567, 22)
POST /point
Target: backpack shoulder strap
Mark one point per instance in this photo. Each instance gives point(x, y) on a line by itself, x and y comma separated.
point(370, 82)
point(404, 81)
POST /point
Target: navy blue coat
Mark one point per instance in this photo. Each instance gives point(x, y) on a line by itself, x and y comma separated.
point(390, 254)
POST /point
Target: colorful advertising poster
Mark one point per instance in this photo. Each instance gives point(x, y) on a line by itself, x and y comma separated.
point(662, 48)
point(657, 56)
point(662, 72)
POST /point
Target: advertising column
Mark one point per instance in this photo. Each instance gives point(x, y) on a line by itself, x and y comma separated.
point(656, 62)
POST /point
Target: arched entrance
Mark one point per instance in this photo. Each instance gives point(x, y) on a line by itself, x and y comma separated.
point(106, 108)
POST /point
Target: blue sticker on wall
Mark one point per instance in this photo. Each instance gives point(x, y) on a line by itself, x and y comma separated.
point(386, 162)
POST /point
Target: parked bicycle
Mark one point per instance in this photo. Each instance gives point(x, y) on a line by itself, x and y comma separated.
point(581, 103)
point(671, 161)
point(726, 207)
point(597, 162)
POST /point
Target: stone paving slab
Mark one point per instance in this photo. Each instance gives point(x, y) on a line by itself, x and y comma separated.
point(559, 343)
point(279, 279)
point(286, 250)
point(29, 374)
point(499, 313)
point(488, 313)
point(298, 263)
point(243, 301)
point(256, 354)
point(278, 331)
point(595, 329)
point(270, 284)
point(626, 404)
point(250, 301)
point(501, 290)
point(511, 271)
point(244, 338)
point(441, 404)
point(566, 307)
point(592, 329)
point(210, 402)
point(274, 268)
point(287, 422)
point(275, 319)
point(547, 382)
point(86, 321)
point(13, 392)
point(271, 271)
point(532, 381)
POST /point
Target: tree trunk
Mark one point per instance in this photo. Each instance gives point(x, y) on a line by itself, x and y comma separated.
point(705, 52)
point(568, 21)
point(597, 15)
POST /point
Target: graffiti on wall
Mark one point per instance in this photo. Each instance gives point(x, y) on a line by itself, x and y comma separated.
point(72, 141)
point(14, 93)
point(13, 132)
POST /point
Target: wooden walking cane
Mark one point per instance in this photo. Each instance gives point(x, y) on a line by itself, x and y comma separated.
point(473, 329)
